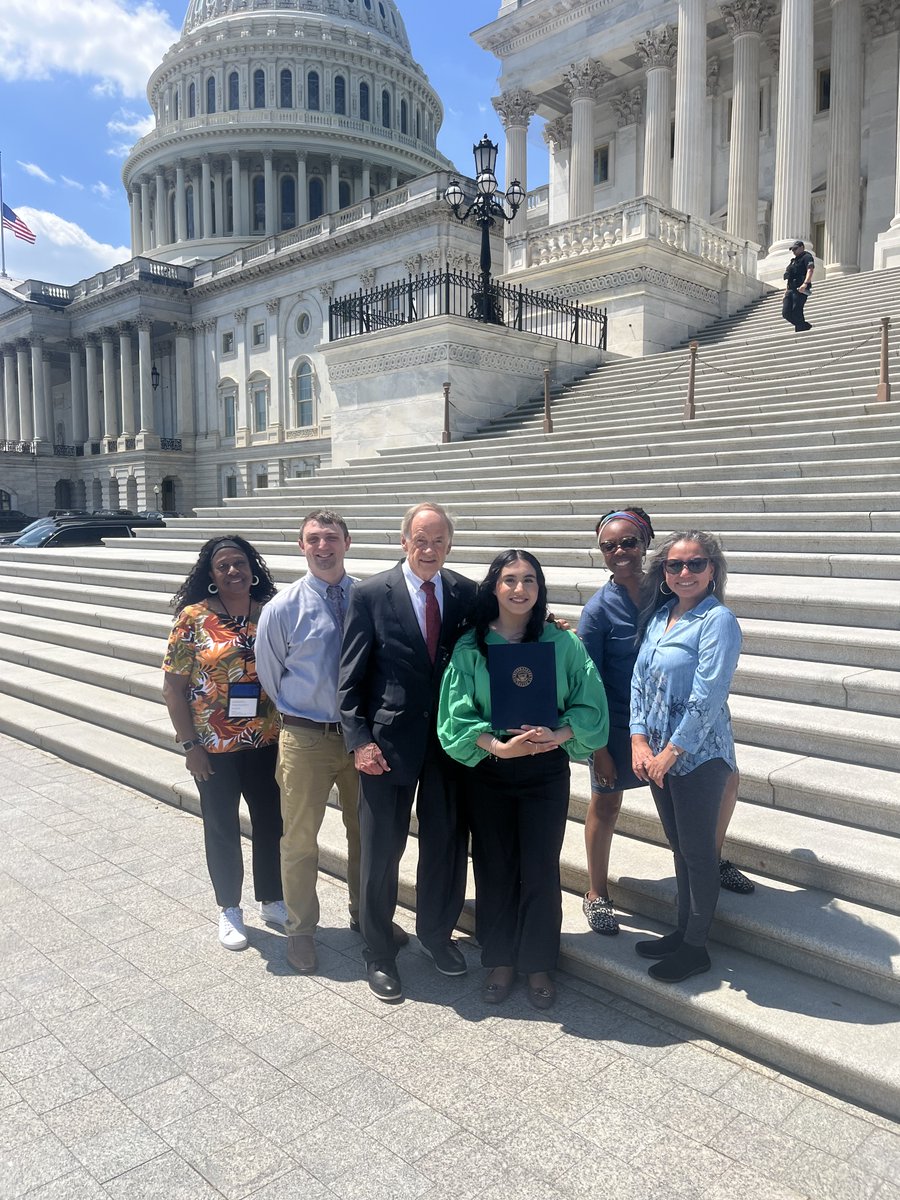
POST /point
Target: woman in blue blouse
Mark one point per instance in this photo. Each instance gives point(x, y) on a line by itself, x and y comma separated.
point(516, 790)
point(681, 738)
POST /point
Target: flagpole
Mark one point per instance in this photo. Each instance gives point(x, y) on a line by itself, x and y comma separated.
point(3, 274)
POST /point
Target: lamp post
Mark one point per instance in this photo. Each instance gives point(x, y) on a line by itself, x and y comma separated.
point(487, 209)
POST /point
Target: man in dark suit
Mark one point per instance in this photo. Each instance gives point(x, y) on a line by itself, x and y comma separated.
point(400, 631)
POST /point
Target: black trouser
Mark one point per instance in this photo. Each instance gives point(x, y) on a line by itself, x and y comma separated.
point(250, 773)
point(517, 809)
point(792, 307)
point(688, 807)
point(384, 812)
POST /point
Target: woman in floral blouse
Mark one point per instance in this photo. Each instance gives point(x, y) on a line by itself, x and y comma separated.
point(226, 725)
point(681, 737)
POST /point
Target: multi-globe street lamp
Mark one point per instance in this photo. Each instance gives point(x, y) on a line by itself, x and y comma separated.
point(489, 208)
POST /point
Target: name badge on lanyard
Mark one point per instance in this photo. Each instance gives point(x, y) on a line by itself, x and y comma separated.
point(243, 700)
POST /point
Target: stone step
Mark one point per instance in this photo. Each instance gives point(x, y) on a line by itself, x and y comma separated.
point(785, 1017)
point(857, 689)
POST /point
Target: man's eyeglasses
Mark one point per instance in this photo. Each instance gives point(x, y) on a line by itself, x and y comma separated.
point(696, 566)
point(626, 543)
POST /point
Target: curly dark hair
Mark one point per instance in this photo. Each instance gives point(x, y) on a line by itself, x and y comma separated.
point(487, 609)
point(195, 587)
point(652, 597)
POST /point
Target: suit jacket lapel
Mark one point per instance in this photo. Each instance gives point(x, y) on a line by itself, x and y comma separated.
point(401, 602)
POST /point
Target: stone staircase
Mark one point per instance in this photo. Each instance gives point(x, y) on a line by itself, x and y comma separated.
point(794, 463)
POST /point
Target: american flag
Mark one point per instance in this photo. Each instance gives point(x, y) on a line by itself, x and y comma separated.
point(16, 225)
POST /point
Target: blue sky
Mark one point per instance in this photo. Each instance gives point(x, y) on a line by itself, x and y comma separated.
point(72, 94)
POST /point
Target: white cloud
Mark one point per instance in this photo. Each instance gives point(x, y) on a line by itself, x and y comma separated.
point(63, 252)
point(132, 127)
point(101, 189)
point(72, 183)
point(36, 171)
point(115, 43)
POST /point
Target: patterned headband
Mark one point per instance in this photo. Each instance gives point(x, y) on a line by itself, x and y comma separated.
point(632, 518)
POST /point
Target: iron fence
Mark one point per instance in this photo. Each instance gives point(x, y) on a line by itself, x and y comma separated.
point(455, 294)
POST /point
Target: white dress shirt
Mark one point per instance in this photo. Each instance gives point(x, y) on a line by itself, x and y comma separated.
point(414, 583)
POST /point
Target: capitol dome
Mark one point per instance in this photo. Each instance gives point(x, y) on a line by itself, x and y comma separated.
point(271, 114)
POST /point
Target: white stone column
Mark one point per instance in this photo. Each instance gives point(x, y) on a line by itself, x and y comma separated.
point(4, 432)
point(145, 380)
point(269, 184)
point(334, 184)
point(690, 109)
point(126, 368)
point(302, 189)
point(657, 51)
point(11, 394)
point(745, 20)
point(844, 159)
point(791, 208)
point(26, 403)
point(236, 215)
point(76, 394)
point(146, 234)
point(180, 207)
point(110, 400)
point(205, 208)
point(93, 391)
point(184, 387)
point(47, 371)
point(134, 199)
point(515, 109)
point(161, 210)
point(558, 136)
point(887, 244)
point(39, 408)
point(581, 82)
point(366, 181)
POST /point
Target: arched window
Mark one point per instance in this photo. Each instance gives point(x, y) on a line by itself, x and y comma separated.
point(177, 107)
point(259, 89)
point(189, 210)
point(211, 94)
point(192, 100)
point(259, 203)
point(288, 202)
point(364, 112)
point(305, 405)
point(259, 403)
point(316, 198)
point(344, 198)
point(286, 99)
point(386, 109)
point(404, 117)
point(340, 95)
point(312, 91)
point(234, 91)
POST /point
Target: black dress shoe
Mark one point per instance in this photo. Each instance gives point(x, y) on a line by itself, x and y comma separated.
point(661, 946)
point(384, 982)
point(448, 958)
point(401, 937)
point(684, 962)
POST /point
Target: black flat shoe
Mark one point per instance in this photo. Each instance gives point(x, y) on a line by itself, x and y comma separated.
point(384, 982)
point(494, 992)
point(448, 958)
point(542, 997)
point(659, 947)
point(685, 962)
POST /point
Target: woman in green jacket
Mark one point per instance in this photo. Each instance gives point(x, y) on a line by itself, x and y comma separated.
point(516, 792)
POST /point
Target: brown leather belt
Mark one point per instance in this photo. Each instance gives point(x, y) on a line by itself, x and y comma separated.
point(305, 723)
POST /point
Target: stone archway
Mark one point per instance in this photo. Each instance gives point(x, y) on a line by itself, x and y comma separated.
point(63, 494)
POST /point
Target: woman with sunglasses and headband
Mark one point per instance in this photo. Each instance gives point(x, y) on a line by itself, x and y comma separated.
point(681, 738)
point(226, 726)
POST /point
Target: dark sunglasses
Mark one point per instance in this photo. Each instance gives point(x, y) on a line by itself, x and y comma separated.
point(627, 543)
point(696, 566)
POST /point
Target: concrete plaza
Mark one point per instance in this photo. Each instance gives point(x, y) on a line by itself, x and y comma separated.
point(138, 1059)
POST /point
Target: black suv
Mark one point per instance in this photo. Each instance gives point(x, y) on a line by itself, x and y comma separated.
point(89, 531)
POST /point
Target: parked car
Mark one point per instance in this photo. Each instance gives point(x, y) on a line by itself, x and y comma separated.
point(68, 512)
point(112, 512)
point(12, 519)
point(61, 532)
point(159, 514)
point(7, 539)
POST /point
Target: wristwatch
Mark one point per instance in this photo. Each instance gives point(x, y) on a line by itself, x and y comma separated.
point(188, 745)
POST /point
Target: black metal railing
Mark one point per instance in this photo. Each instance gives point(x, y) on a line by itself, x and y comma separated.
point(15, 446)
point(170, 443)
point(62, 451)
point(455, 294)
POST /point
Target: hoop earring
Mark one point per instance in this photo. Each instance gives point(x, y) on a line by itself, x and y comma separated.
point(711, 587)
point(212, 589)
point(666, 591)
point(255, 581)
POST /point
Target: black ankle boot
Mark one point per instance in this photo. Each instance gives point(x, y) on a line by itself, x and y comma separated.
point(684, 962)
point(660, 947)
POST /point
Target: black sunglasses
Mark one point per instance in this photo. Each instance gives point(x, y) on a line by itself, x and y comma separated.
point(627, 543)
point(696, 566)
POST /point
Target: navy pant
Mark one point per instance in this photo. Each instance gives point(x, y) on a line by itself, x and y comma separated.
point(792, 307)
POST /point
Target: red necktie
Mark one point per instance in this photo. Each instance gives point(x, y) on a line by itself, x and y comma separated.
point(432, 620)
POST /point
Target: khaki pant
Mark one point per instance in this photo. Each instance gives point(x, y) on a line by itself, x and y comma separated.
point(310, 763)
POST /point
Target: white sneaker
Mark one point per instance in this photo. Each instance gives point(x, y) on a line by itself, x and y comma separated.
point(274, 912)
point(232, 934)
